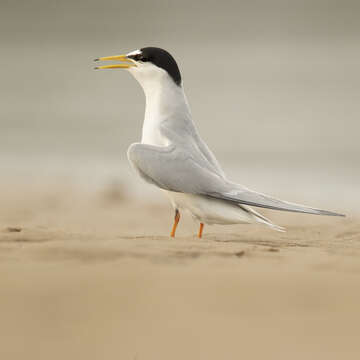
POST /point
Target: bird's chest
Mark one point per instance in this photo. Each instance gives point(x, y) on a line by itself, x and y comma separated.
point(151, 133)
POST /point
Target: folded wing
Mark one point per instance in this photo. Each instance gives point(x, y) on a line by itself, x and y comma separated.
point(173, 169)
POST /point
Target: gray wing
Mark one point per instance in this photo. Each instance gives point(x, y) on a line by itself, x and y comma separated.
point(185, 133)
point(242, 195)
point(174, 169)
point(204, 149)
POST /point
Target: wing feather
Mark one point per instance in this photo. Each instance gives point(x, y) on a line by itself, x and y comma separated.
point(176, 169)
point(253, 198)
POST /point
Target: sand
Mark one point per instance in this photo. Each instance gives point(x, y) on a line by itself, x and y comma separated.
point(96, 276)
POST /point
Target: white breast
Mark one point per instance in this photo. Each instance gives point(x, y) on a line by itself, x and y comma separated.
point(151, 130)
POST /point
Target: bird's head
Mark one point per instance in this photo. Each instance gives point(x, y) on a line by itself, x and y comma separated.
point(147, 65)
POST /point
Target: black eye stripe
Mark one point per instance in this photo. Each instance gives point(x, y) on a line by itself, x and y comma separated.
point(139, 57)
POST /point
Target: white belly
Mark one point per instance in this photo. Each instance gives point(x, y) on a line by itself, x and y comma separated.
point(209, 210)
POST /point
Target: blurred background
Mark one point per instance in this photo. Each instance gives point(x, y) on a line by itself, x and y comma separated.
point(273, 87)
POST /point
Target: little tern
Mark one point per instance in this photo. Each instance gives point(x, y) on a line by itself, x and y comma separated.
point(173, 156)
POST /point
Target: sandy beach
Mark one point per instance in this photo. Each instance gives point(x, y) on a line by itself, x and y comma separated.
point(97, 277)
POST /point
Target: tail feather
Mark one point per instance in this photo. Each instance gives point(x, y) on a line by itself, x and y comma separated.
point(262, 219)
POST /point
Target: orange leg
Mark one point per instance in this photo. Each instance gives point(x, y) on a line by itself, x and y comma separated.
point(176, 221)
point(200, 230)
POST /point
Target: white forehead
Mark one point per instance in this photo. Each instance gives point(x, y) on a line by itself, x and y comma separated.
point(135, 52)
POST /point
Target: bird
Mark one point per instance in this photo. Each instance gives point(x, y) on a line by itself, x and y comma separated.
point(173, 156)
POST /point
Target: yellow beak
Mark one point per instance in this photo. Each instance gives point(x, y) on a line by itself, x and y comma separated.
point(129, 62)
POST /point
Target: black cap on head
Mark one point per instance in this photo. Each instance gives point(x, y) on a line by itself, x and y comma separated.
point(162, 59)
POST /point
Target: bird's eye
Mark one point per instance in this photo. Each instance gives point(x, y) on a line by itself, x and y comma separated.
point(139, 57)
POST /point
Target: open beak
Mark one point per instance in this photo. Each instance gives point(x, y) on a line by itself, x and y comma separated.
point(128, 62)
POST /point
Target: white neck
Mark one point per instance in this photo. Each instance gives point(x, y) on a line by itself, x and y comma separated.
point(164, 100)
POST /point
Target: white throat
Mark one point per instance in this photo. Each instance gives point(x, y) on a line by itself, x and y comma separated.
point(164, 100)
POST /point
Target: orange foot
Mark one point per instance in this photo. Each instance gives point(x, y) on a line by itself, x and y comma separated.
point(200, 230)
point(176, 221)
